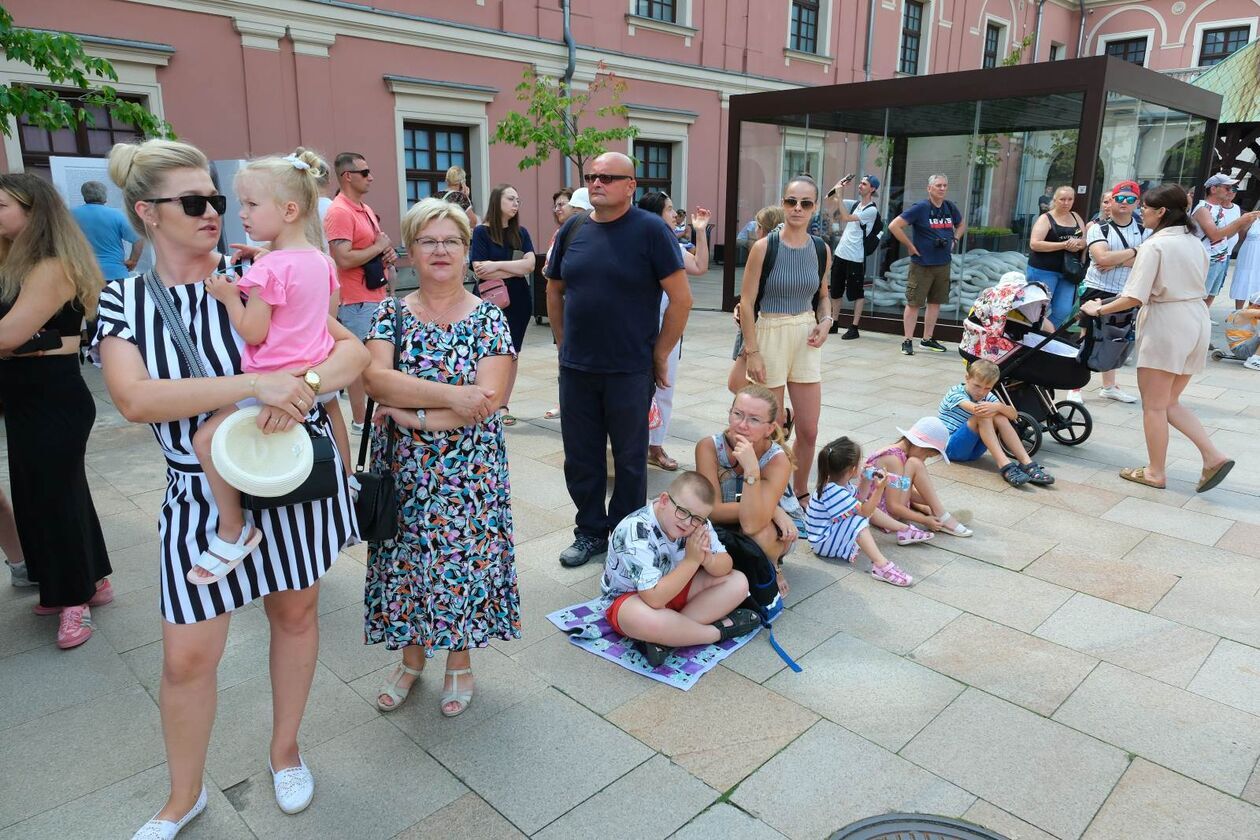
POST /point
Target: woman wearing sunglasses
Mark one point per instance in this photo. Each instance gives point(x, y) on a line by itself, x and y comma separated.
point(171, 201)
point(49, 281)
point(783, 334)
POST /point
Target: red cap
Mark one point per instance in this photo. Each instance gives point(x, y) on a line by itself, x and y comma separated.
point(1127, 186)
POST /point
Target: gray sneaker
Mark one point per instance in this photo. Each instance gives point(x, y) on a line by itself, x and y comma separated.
point(18, 575)
point(583, 549)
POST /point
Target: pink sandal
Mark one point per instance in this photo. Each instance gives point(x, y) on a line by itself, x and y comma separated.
point(890, 572)
point(912, 534)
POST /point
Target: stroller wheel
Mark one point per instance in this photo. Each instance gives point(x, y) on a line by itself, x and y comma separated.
point(1029, 431)
point(1070, 424)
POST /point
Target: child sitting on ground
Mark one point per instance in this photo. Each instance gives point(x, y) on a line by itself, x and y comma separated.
point(978, 422)
point(284, 324)
point(668, 580)
point(839, 525)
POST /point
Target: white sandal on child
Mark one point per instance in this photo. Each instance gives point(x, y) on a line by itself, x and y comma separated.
point(959, 529)
point(221, 556)
point(156, 829)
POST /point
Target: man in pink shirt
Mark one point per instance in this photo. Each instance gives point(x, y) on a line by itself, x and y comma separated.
point(363, 256)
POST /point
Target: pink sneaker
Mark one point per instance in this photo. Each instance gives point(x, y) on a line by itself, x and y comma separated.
point(104, 595)
point(890, 572)
point(75, 628)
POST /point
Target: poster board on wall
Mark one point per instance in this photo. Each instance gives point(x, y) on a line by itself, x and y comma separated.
point(69, 174)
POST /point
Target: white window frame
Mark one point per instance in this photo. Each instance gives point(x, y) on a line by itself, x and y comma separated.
point(1004, 40)
point(137, 76)
point(805, 142)
point(1062, 51)
point(682, 27)
point(1148, 34)
point(424, 101)
point(1201, 28)
point(662, 125)
point(925, 39)
point(824, 52)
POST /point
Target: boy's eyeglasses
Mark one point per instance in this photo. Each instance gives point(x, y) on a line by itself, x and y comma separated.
point(195, 205)
point(805, 203)
point(1124, 199)
point(685, 515)
point(604, 178)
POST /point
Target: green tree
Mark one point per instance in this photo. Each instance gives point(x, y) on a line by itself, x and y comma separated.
point(67, 65)
point(552, 118)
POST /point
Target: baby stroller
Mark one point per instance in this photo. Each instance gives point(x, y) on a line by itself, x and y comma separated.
point(1002, 327)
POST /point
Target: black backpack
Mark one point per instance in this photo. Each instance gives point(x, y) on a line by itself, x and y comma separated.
point(871, 238)
point(763, 582)
point(772, 253)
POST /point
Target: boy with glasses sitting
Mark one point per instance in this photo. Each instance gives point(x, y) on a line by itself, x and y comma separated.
point(668, 581)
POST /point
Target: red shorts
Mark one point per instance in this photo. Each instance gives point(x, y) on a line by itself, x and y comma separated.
point(676, 603)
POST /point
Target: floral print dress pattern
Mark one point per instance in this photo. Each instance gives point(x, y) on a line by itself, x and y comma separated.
point(447, 580)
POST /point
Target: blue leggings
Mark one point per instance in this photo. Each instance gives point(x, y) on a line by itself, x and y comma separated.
point(1062, 292)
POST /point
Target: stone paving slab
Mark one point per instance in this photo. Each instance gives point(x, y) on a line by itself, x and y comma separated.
point(1215, 607)
point(1231, 675)
point(1055, 780)
point(896, 619)
point(1181, 523)
point(469, 816)
point(1193, 735)
point(1000, 595)
point(1117, 581)
point(992, 817)
point(728, 822)
point(1154, 803)
point(796, 791)
point(45, 680)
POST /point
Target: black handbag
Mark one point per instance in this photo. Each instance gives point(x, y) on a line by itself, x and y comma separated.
point(376, 507)
point(374, 272)
point(325, 477)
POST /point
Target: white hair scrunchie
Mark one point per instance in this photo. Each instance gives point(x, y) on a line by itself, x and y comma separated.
point(297, 163)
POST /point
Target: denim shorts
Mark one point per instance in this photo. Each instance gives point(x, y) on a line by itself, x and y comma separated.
point(964, 445)
point(357, 317)
point(1216, 276)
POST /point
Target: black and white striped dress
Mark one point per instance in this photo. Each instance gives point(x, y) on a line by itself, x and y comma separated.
point(299, 543)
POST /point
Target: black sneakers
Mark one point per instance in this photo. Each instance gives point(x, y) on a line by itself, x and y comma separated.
point(850, 334)
point(932, 344)
point(583, 549)
point(907, 347)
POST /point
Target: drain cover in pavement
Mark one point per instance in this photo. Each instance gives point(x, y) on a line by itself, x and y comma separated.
point(914, 827)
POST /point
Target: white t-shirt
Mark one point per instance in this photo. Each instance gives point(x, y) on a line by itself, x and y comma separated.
point(1117, 238)
point(639, 554)
point(850, 245)
point(1221, 216)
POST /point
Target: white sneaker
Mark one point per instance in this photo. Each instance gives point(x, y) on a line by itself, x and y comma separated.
point(357, 428)
point(1117, 395)
point(1074, 396)
point(295, 786)
point(156, 829)
point(1253, 363)
point(18, 576)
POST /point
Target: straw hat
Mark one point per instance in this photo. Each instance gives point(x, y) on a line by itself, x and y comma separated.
point(261, 465)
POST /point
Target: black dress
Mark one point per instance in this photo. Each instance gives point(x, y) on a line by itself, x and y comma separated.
point(48, 415)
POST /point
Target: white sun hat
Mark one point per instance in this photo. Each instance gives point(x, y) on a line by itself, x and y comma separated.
point(262, 465)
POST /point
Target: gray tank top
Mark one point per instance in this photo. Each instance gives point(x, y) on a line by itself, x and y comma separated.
point(793, 281)
point(733, 483)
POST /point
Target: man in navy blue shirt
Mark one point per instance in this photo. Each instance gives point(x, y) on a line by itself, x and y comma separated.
point(603, 300)
point(106, 230)
point(935, 226)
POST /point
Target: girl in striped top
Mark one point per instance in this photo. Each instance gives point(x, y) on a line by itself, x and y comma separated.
point(839, 524)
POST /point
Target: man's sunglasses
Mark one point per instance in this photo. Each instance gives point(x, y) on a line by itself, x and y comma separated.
point(806, 203)
point(365, 171)
point(1124, 199)
point(604, 178)
point(195, 205)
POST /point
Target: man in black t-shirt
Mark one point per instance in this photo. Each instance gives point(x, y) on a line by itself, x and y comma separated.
point(603, 300)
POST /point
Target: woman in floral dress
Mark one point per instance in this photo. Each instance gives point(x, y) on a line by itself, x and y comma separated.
point(447, 580)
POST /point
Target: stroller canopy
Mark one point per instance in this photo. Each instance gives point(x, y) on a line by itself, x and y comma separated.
point(1002, 314)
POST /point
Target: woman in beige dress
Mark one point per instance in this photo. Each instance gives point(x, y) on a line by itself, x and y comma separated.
point(1173, 331)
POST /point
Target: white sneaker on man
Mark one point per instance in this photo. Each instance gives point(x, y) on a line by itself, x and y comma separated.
point(1116, 394)
point(1252, 363)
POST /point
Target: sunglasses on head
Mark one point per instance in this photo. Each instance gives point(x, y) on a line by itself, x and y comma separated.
point(1124, 199)
point(604, 178)
point(195, 205)
point(805, 203)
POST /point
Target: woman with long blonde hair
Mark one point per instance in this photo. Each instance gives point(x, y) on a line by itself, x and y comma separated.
point(50, 282)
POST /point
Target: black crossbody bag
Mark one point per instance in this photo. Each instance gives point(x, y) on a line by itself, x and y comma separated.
point(377, 504)
point(324, 479)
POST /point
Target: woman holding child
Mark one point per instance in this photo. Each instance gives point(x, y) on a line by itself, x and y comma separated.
point(172, 201)
point(1167, 281)
point(447, 580)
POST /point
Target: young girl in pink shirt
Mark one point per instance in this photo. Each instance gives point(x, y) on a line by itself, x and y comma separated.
point(291, 290)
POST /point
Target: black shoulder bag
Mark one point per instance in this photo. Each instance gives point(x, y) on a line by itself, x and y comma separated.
point(376, 507)
point(324, 479)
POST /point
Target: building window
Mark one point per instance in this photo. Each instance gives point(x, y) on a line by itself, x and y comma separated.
point(1056, 52)
point(653, 167)
point(992, 43)
point(1220, 44)
point(38, 144)
point(804, 35)
point(666, 10)
point(1128, 49)
point(428, 151)
point(911, 37)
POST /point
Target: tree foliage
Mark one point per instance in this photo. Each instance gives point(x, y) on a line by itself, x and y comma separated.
point(551, 121)
point(62, 59)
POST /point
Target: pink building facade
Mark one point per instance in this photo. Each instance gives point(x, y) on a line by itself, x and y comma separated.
point(417, 85)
